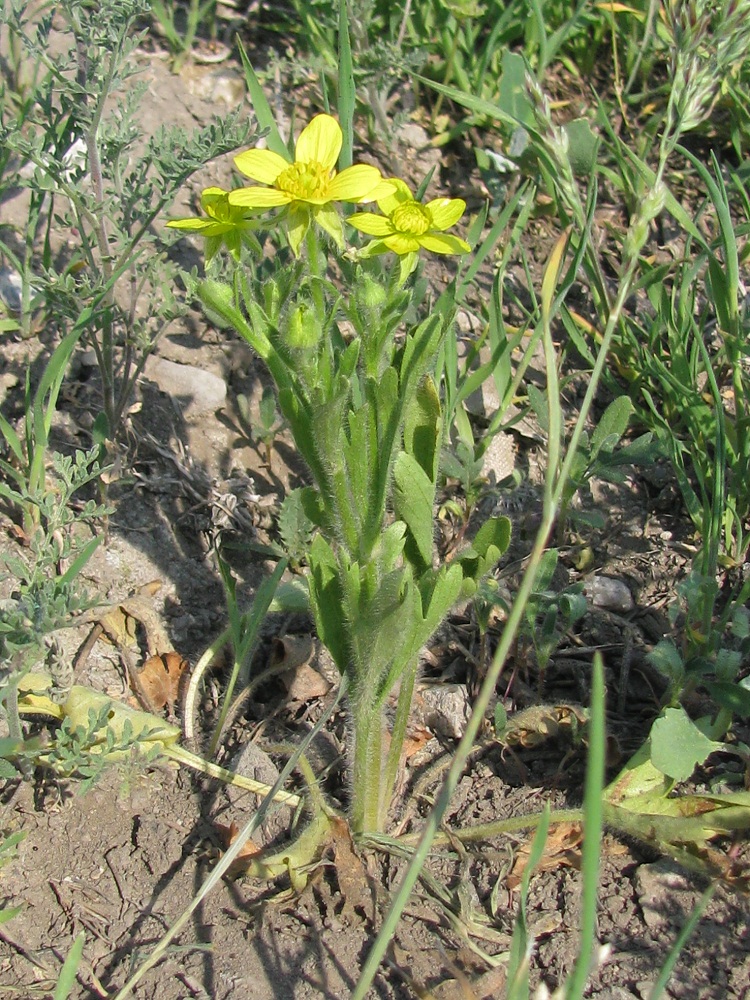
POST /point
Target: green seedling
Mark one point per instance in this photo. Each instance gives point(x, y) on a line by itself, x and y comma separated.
point(181, 27)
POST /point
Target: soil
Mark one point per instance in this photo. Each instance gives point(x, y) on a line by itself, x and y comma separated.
point(122, 861)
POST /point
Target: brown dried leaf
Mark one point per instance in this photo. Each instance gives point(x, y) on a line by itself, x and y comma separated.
point(351, 874)
point(560, 851)
point(292, 655)
point(160, 678)
point(227, 836)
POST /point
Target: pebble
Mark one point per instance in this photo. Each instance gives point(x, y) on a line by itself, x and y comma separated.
point(610, 594)
point(664, 893)
point(11, 287)
point(446, 709)
point(193, 390)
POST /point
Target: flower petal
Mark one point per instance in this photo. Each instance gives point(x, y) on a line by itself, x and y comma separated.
point(445, 212)
point(437, 243)
point(398, 196)
point(402, 244)
point(320, 142)
point(258, 197)
point(406, 265)
point(261, 165)
point(191, 225)
point(381, 190)
point(210, 195)
point(354, 183)
point(373, 225)
point(329, 219)
point(297, 224)
point(373, 249)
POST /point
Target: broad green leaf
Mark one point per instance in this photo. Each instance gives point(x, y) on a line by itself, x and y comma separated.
point(327, 600)
point(732, 696)
point(413, 496)
point(678, 746)
point(513, 96)
point(422, 427)
point(638, 783)
point(582, 146)
point(490, 542)
point(667, 659)
point(494, 533)
point(612, 425)
point(390, 547)
point(445, 593)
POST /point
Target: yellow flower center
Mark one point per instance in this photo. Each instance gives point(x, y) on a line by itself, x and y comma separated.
point(304, 180)
point(411, 218)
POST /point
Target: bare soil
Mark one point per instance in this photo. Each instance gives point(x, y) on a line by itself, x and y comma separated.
point(122, 861)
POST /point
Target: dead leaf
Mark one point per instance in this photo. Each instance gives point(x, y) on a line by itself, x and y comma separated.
point(416, 737)
point(533, 726)
point(292, 655)
point(160, 678)
point(351, 874)
point(560, 851)
point(227, 836)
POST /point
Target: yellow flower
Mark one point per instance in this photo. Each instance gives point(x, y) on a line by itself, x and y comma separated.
point(224, 225)
point(309, 184)
point(407, 226)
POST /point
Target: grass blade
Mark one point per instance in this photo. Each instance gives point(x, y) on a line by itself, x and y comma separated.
point(347, 94)
point(593, 823)
point(67, 978)
point(261, 107)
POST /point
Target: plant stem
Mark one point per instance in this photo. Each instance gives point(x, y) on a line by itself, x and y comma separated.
point(367, 766)
point(398, 733)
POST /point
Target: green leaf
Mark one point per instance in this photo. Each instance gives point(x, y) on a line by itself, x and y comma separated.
point(445, 592)
point(677, 745)
point(327, 599)
point(538, 401)
point(494, 534)
point(582, 146)
point(413, 496)
point(295, 527)
point(347, 91)
point(490, 542)
point(612, 425)
point(8, 913)
point(732, 696)
point(668, 661)
point(422, 427)
point(513, 96)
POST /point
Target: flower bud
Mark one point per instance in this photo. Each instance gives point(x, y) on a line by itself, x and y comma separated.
point(303, 330)
point(371, 295)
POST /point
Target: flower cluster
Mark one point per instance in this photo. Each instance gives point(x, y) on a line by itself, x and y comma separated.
point(307, 188)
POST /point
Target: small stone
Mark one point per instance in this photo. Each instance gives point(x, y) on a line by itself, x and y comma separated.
point(11, 288)
point(663, 893)
point(254, 763)
point(193, 390)
point(499, 457)
point(610, 594)
point(446, 709)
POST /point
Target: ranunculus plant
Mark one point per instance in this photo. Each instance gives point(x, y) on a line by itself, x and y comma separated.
point(356, 369)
